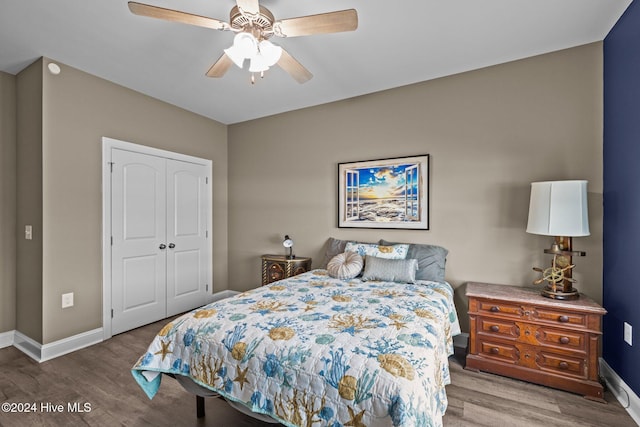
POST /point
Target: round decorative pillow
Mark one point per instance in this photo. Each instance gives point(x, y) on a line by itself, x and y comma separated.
point(346, 265)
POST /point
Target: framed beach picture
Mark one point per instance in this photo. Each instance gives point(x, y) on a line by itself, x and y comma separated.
point(387, 193)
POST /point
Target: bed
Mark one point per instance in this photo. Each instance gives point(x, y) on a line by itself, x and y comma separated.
point(316, 350)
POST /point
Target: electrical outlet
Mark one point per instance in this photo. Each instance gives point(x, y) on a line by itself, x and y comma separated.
point(67, 300)
point(28, 232)
point(628, 333)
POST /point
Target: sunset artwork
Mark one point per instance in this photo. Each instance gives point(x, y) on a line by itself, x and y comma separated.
point(389, 193)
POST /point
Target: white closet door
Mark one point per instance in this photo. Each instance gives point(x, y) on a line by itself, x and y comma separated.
point(188, 246)
point(138, 230)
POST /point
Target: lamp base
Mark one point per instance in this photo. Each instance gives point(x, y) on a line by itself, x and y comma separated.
point(561, 294)
point(558, 276)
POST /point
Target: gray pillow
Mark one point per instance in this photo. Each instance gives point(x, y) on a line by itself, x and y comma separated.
point(431, 260)
point(390, 270)
point(333, 247)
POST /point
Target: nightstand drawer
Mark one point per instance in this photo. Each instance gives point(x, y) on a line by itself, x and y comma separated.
point(498, 328)
point(276, 271)
point(500, 308)
point(499, 351)
point(560, 317)
point(551, 316)
point(561, 364)
point(572, 340)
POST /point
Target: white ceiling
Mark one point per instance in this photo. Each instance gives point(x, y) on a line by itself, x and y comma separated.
point(397, 43)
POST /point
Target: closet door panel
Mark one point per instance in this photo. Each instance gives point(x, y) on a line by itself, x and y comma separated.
point(138, 229)
point(188, 252)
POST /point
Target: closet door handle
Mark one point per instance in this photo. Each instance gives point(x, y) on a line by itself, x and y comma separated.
point(171, 245)
point(163, 246)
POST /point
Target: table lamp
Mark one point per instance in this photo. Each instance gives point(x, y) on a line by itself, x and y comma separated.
point(288, 243)
point(559, 209)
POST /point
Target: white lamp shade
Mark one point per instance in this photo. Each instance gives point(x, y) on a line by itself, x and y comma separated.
point(270, 52)
point(558, 208)
point(244, 46)
point(237, 58)
point(258, 64)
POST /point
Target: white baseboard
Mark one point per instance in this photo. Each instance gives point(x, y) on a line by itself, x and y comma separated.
point(627, 398)
point(6, 339)
point(70, 344)
point(43, 352)
point(28, 346)
point(223, 294)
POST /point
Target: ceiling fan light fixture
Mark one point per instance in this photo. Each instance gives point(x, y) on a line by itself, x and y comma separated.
point(235, 56)
point(258, 64)
point(253, 25)
point(244, 46)
point(270, 52)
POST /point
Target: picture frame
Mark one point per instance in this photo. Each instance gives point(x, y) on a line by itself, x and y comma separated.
point(384, 193)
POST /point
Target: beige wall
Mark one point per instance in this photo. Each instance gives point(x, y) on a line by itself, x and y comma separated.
point(29, 201)
point(78, 110)
point(490, 133)
point(7, 202)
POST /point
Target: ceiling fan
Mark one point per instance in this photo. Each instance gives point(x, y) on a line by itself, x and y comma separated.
point(254, 25)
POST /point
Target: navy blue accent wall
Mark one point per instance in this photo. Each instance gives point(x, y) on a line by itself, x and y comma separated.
point(621, 251)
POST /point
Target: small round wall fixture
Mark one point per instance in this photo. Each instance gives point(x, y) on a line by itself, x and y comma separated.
point(53, 68)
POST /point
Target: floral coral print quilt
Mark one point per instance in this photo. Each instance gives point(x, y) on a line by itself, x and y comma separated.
point(312, 350)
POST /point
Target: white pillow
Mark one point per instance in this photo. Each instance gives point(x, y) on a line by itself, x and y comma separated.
point(397, 251)
point(346, 265)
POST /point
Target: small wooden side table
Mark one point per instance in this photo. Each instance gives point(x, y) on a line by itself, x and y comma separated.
point(278, 267)
point(518, 333)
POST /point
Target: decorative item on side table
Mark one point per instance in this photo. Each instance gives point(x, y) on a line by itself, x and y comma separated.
point(288, 244)
point(559, 209)
point(278, 267)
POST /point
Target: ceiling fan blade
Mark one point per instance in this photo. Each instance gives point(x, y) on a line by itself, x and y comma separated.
point(294, 68)
point(221, 66)
point(332, 22)
point(177, 16)
point(249, 7)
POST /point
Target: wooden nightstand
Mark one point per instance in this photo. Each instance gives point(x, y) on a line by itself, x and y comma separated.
point(518, 333)
point(278, 267)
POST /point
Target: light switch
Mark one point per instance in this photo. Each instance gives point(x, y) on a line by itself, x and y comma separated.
point(628, 333)
point(28, 232)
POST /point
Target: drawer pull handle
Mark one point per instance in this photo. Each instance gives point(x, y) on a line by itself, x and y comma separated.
point(563, 319)
point(563, 365)
point(494, 328)
point(564, 340)
point(494, 350)
point(494, 309)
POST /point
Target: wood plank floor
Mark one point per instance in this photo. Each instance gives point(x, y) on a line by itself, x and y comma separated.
point(99, 376)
